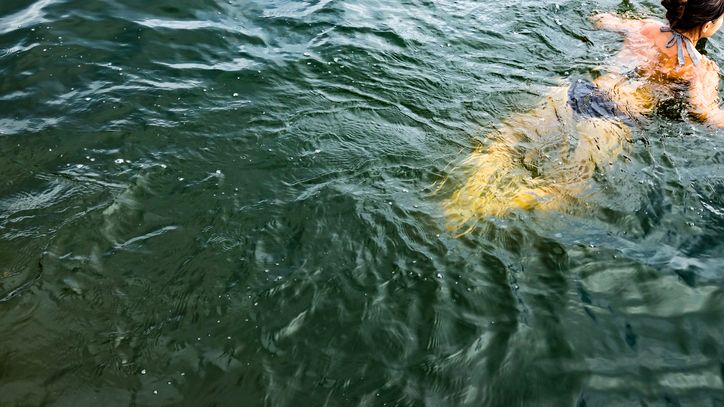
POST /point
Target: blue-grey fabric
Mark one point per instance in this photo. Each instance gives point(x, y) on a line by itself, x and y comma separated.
point(587, 100)
point(681, 42)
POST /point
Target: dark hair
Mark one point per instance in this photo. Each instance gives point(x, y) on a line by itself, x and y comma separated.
point(688, 14)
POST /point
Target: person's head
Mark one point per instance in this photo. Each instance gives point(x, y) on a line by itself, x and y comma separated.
point(704, 16)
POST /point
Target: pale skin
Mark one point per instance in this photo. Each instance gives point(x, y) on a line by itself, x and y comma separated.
point(645, 41)
point(544, 158)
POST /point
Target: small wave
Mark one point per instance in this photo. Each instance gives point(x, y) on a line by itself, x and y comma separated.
point(296, 10)
point(197, 25)
point(236, 65)
point(32, 15)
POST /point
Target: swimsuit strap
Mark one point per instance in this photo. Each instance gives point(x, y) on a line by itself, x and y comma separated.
point(681, 41)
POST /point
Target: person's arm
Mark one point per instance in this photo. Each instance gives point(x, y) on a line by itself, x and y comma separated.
point(612, 22)
point(704, 95)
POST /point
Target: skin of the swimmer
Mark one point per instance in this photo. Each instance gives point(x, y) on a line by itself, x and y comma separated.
point(503, 178)
point(608, 21)
point(703, 80)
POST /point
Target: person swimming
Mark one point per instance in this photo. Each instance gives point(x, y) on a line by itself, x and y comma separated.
point(543, 158)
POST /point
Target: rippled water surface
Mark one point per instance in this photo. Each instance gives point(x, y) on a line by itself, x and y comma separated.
point(241, 203)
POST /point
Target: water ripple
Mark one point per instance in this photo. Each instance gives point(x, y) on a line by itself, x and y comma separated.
point(32, 15)
point(242, 202)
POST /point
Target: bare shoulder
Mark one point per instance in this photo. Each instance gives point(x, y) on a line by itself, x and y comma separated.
point(707, 72)
point(650, 28)
point(711, 66)
point(615, 23)
point(704, 93)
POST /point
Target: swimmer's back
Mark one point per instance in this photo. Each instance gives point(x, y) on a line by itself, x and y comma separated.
point(647, 52)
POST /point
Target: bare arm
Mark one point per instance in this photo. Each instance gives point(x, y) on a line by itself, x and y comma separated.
point(704, 95)
point(612, 22)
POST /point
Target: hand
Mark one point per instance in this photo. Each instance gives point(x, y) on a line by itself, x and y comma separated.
point(601, 20)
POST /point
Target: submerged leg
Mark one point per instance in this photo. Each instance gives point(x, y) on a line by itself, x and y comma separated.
point(498, 178)
point(531, 163)
point(601, 141)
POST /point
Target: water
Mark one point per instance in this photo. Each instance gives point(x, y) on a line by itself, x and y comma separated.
point(241, 203)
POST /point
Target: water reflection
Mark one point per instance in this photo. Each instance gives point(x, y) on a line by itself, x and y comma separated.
point(235, 203)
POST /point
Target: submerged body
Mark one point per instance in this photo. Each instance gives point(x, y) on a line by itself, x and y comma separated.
point(544, 158)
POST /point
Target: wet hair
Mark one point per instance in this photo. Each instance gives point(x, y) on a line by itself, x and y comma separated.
point(688, 14)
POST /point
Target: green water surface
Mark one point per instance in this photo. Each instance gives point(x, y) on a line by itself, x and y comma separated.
point(236, 203)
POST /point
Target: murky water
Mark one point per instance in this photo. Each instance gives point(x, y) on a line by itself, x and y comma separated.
point(240, 203)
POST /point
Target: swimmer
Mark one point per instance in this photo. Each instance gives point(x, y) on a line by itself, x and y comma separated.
point(543, 158)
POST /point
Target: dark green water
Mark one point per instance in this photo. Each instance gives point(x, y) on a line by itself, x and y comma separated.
point(235, 203)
